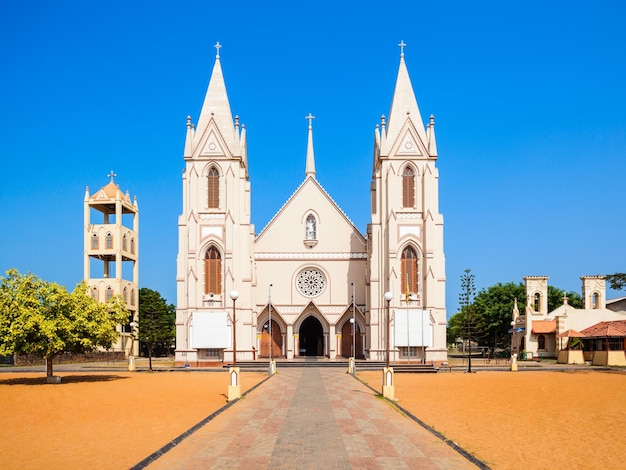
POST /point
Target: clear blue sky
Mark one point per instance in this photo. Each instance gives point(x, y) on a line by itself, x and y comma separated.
point(529, 100)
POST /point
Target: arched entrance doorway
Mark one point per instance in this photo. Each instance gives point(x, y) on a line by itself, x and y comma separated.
point(276, 341)
point(347, 341)
point(311, 336)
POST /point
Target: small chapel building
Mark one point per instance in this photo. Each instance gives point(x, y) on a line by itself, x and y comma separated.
point(310, 283)
point(568, 334)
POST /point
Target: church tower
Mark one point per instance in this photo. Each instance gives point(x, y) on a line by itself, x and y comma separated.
point(405, 237)
point(111, 254)
point(215, 234)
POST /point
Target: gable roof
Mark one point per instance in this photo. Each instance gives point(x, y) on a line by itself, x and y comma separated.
point(316, 184)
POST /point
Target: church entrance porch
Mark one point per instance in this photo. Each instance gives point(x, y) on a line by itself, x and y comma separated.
point(275, 342)
point(351, 342)
point(311, 337)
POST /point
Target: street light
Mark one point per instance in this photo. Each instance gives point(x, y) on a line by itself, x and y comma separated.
point(353, 321)
point(234, 295)
point(388, 297)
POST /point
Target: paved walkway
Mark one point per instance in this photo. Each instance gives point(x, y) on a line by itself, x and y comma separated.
point(312, 418)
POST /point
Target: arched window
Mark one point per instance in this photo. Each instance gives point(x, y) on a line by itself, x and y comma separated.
point(132, 246)
point(109, 241)
point(213, 188)
point(595, 300)
point(541, 342)
point(409, 271)
point(408, 187)
point(95, 242)
point(124, 244)
point(94, 292)
point(212, 272)
point(311, 227)
point(536, 301)
point(132, 297)
point(109, 294)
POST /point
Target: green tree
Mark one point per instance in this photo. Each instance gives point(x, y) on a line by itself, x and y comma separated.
point(156, 321)
point(42, 318)
point(495, 306)
point(470, 318)
point(555, 298)
point(616, 281)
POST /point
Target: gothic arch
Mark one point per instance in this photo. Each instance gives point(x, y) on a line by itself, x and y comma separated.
point(311, 310)
point(409, 179)
point(212, 270)
point(277, 344)
point(411, 267)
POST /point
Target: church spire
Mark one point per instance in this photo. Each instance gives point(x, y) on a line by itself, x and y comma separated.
point(404, 105)
point(216, 105)
point(310, 156)
point(432, 142)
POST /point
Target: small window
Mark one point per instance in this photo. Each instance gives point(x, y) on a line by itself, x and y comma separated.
point(541, 342)
point(132, 297)
point(109, 241)
point(213, 189)
point(124, 243)
point(94, 292)
point(109, 294)
point(132, 246)
point(408, 187)
point(410, 351)
point(95, 242)
point(125, 295)
point(311, 227)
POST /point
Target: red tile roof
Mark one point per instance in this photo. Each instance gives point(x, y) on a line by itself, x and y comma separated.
point(606, 328)
point(544, 326)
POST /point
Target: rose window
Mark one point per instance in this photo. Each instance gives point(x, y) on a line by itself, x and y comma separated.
point(311, 282)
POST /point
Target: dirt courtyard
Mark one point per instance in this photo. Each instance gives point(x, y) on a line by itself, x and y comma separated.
point(530, 419)
point(509, 420)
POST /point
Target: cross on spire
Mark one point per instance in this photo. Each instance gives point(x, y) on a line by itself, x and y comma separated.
point(111, 175)
point(217, 46)
point(402, 45)
point(310, 118)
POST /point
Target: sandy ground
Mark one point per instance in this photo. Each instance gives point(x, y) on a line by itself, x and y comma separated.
point(533, 420)
point(111, 420)
point(102, 420)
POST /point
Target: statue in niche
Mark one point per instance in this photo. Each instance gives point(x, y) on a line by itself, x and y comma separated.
point(310, 227)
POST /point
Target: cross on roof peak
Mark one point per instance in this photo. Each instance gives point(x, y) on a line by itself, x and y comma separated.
point(402, 45)
point(112, 175)
point(217, 47)
point(310, 118)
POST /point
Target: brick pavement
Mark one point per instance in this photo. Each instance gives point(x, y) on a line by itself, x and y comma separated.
point(312, 418)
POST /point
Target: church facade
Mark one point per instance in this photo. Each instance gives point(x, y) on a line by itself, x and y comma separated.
point(310, 283)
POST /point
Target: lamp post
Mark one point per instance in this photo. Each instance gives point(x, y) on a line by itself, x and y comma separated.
point(234, 295)
point(353, 321)
point(269, 322)
point(388, 297)
point(131, 354)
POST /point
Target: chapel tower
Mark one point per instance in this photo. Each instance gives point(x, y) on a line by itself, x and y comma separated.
point(215, 234)
point(111, 253)
point(405, 237)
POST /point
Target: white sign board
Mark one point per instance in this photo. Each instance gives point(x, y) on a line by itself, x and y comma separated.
point(210, 330)
point(412, 327)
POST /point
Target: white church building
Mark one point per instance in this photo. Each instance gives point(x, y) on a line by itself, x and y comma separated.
point(310, 284)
